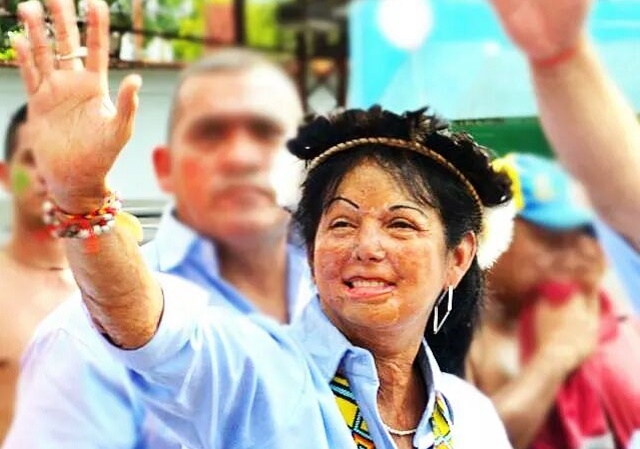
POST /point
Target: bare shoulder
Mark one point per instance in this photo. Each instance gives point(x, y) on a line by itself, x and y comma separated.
point(5, 261)
point(6, 274)
point(12, 279)
point(9, 268)
point(493, 359)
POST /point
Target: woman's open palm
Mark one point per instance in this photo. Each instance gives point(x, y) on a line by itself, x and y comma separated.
point(79, 131)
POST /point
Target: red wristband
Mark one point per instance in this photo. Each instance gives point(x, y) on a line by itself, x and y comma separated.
point(556, 59)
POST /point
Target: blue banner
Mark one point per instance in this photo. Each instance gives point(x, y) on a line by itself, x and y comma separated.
point(462, 63)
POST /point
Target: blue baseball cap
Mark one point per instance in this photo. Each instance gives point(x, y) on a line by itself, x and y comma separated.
point(546, 195)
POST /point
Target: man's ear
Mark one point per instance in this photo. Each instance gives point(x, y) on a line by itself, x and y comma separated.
point(5, 176)
point(461, 258)
point(162, 166)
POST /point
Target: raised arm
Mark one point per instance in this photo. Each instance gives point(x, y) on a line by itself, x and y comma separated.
point(80, 134)
point(589, 124)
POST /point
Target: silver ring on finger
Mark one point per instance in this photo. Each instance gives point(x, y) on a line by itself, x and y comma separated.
point(80, 53)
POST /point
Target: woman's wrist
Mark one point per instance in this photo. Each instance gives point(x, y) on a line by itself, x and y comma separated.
point(569, 53)
point(83, 201)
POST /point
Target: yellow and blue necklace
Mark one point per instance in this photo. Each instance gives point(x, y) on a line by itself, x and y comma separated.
point(350, 411)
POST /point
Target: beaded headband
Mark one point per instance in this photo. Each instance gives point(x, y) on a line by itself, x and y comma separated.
point(399, 143)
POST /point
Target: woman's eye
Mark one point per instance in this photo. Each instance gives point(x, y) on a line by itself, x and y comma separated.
point(402, 224)
point(339, 224)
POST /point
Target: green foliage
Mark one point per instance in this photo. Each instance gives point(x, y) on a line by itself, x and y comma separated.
point(182, 18)
point(190, 26)
point(120, 13)
point(8, 25)
point(167, 16)
point(262, 28)
point(7, 53)
point(261, 24)
point(186, 50)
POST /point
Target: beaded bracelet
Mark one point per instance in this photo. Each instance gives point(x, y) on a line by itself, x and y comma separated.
point(62, 224)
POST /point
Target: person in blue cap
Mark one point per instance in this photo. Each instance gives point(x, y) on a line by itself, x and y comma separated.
point(545, 318)
point(553, 215)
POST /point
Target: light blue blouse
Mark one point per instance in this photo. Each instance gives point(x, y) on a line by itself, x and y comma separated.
point(222, 380)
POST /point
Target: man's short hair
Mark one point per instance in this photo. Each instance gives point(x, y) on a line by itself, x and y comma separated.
point(222, 61)
point(18, 119)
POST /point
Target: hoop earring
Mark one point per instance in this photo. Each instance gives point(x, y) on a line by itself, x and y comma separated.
point(437, 323)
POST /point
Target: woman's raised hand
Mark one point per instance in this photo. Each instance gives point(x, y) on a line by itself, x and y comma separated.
point(79, 131)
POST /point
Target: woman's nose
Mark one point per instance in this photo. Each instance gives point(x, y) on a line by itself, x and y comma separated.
point(368, 244)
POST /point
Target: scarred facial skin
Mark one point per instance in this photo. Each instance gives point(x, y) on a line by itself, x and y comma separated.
point(380, 258)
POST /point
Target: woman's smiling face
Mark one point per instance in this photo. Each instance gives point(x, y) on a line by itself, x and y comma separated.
point(380, 257)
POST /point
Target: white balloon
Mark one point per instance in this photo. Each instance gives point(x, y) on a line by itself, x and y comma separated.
point(405, 23)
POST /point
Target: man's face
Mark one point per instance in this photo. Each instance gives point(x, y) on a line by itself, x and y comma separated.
point(227, 130)
point(22, 180)
point(538, 255)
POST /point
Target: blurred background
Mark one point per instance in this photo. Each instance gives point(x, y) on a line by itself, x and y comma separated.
point(450, 54)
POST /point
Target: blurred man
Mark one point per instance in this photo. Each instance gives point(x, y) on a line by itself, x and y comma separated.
point(34, 273)
point(231, 115)
point(552, 349)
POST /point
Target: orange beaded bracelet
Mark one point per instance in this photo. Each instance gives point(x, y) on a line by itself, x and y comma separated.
point(82, 226)
point(62, 224)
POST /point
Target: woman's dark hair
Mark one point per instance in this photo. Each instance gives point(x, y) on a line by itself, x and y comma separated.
point(425, 179)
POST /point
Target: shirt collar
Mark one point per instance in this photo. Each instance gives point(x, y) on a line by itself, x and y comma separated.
point(176, 244)
point(175, 240)
point(321, 339)
point(329, 348)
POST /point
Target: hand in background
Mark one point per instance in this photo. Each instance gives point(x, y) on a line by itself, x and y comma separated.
point(543, 29)
point(568, 330)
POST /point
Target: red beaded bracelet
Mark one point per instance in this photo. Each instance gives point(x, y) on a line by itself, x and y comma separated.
point(88, 227)
point(62, 224)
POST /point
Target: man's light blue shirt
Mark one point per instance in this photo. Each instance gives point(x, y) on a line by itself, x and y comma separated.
point(222, 381)
point(180, 251)
point(73, 395)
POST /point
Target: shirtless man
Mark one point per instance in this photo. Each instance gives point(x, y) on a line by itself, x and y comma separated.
point(34, 273)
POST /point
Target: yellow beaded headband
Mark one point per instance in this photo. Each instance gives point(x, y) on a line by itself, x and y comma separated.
point(399, 143)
